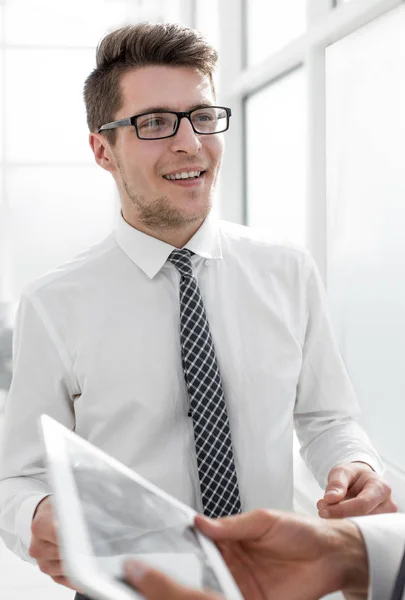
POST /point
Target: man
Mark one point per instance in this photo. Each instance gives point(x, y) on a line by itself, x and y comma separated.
point(183, 347)
point(277, 555)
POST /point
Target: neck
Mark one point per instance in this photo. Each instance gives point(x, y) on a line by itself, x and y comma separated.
point(176, 236)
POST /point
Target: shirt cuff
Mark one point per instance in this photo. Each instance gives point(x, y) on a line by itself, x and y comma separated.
point(375, 463)
point(384, 537)
point(24, 518)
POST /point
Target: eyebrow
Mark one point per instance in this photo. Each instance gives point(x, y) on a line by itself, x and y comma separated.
point(151, 109)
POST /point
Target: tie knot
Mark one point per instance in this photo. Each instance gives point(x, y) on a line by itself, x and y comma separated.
point(182, 261)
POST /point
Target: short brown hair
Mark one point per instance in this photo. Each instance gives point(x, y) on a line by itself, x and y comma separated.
point(136, 46)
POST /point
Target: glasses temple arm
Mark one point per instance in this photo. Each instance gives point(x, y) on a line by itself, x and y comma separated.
point(115, 124)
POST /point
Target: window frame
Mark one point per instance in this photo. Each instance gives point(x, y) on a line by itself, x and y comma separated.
point(328, 21)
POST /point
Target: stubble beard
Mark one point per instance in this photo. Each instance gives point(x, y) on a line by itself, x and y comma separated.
point(160, 214)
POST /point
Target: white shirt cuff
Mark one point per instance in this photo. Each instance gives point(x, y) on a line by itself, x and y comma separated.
point(376, 464)
point(384, 537)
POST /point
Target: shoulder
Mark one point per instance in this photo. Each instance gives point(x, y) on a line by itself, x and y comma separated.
point(257, 245)
point(74, 272)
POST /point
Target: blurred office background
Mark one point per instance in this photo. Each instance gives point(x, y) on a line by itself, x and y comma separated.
point(315, 155)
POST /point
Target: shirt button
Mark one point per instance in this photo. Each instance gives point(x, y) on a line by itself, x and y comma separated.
point(207, 263)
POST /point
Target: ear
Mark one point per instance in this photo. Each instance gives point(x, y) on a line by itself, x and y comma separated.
point(102, 151)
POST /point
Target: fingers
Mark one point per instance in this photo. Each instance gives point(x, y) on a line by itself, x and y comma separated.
point(339, 481)
point(356, 507)
point(155, 585)
point(64, 581)
point(48, 560)
point(365, 493)
point(44, 550)
point(251, 525)
point(53, 568)
point(371, 500)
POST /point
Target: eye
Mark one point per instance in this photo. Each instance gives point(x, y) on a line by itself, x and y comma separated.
point(205, 117)
point(153, 122)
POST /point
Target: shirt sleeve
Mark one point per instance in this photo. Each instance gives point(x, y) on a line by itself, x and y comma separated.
point(326, 405)
point(384, 537)
point(42, 383)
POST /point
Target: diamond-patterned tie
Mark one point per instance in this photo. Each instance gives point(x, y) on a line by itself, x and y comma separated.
point(215, 462)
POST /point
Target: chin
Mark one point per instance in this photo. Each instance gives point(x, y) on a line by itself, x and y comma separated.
point(197, 213)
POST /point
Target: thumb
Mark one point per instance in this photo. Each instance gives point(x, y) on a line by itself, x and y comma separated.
point(247, 526)
point(154, 585)
point(339, 480)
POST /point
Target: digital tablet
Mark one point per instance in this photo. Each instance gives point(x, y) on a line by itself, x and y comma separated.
point(107, 513)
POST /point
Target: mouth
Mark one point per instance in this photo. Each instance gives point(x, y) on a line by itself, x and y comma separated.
point(185, 178)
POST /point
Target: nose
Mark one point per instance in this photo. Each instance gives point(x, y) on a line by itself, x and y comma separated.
point(185, 140)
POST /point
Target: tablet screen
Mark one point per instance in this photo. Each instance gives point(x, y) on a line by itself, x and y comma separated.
point(125, 519)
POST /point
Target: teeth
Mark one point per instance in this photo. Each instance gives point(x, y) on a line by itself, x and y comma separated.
point(183, 175)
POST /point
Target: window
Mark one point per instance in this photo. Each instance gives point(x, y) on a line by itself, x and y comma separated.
point(272, 25)
point(55, 200)
point(207, 20)
point(366, 244)
point(276, 150)
point(56, 211)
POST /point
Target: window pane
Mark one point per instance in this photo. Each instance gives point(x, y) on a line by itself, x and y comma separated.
point(166, 10)
point(46, 120)
point(207, 20)
point(1, 104)
point(366, 243)
point(55, 214)
point(276, 158)
point(61, 23)
point(3, 247)
point(272, 25)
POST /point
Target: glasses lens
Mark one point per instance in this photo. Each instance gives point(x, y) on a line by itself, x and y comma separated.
point(156, 125)
point(209, 119)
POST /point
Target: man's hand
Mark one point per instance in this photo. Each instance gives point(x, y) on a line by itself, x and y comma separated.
point(353, 490)
point(44, 543)
point(273, 555)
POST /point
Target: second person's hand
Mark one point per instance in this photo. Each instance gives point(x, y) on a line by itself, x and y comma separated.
point(273, 555)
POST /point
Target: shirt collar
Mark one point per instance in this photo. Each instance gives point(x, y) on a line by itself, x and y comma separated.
point(150, 254)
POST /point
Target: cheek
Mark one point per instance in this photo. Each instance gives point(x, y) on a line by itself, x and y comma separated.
point(140, 167)
point(216, 149)
point(220, 146)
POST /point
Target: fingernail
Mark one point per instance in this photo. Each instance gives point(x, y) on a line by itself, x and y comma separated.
point(324, 513)
point(135, 569)
point(332, 492)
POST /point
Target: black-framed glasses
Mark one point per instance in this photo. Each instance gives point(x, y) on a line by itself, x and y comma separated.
point(161, 124)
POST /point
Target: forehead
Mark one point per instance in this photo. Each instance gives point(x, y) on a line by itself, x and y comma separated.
point(177, 88)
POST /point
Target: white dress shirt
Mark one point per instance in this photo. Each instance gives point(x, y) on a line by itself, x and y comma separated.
point(97, 347)
point(384, 537)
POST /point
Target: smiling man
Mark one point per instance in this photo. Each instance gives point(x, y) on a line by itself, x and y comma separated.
point(164, 159)
point(185, 347)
